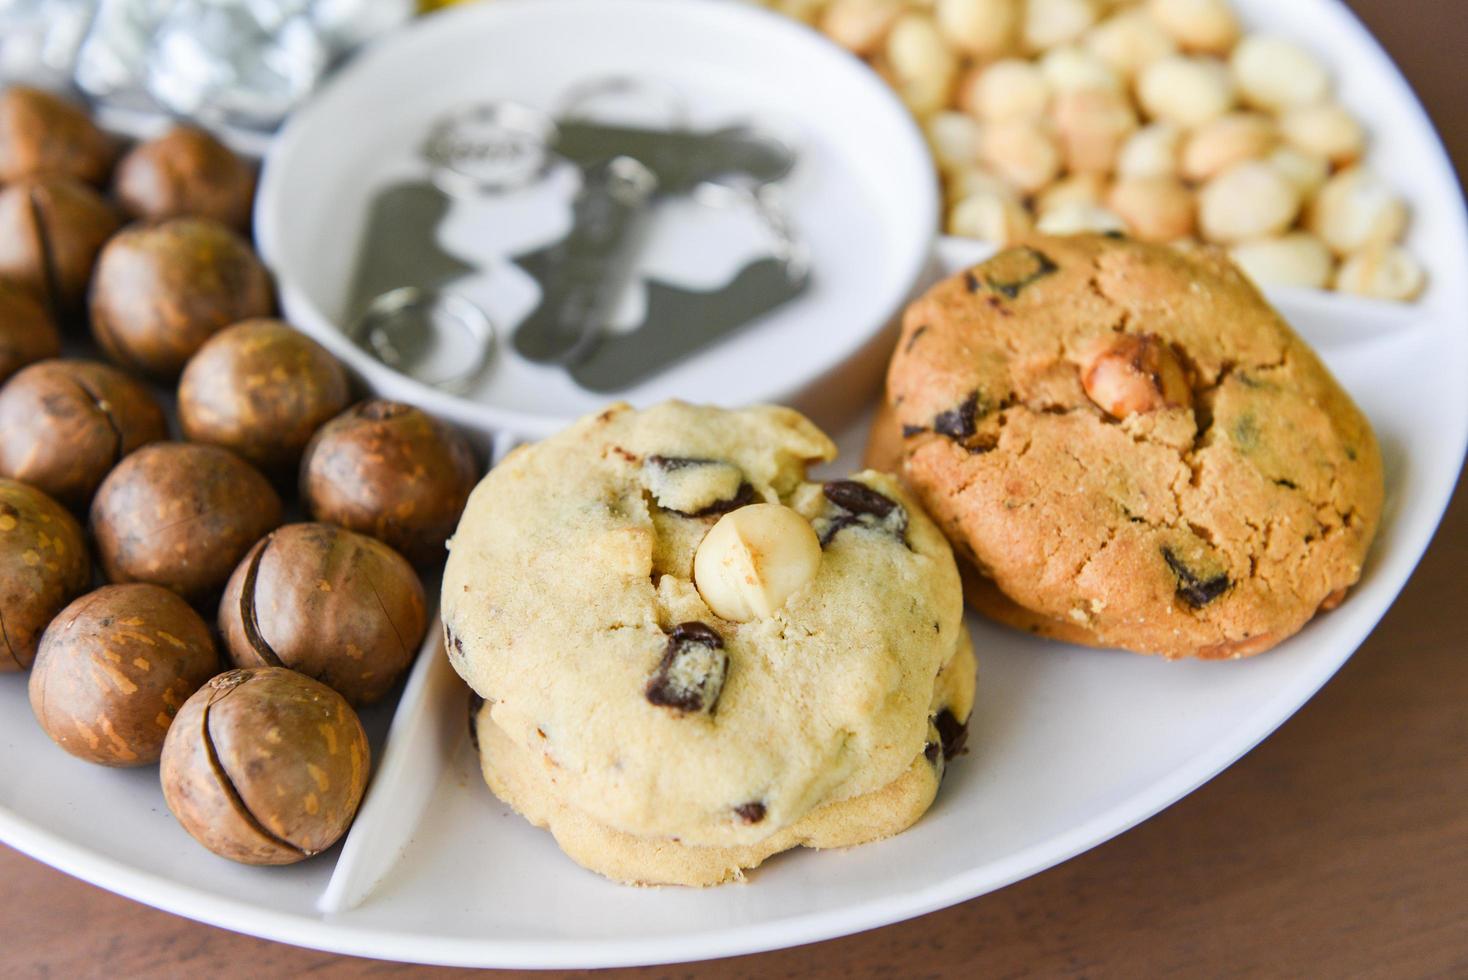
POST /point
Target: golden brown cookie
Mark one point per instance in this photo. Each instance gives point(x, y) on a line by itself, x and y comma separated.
point(1131, 447)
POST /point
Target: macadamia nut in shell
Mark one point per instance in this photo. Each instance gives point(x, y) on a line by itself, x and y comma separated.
point(114, 668)
point(163, 289)
point(43, 566)
point(64, 424)
point(265, 766)
point(181, 515)
point(337, 606)
point(261, 389)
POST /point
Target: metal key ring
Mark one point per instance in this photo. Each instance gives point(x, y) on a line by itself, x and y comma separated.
point(414, 312)
point(489, 148)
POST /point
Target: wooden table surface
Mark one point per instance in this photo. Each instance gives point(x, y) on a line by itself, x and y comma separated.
point(1338, 847)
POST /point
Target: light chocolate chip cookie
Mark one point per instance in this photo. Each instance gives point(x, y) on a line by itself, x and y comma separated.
point(691, 656)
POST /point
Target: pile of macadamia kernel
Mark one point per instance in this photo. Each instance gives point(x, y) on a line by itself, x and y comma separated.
point(1162, 119)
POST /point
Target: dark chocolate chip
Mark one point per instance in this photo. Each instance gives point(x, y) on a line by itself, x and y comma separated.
point(475, 704)
point(1196, 592)
point(1287, 484)
point(971, 282)
point(953, 732)
point(691, 674)
point(858, 505)
point(1010, 289)
point(931, 750)
point(960, 422)
point(750, 812)
point(858, 498)
point(1114, 234)
point(835, 526)
point(908, 431)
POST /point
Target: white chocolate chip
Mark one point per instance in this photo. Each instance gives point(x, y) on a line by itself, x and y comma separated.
point(1130, 41)
point(1151, 151)
point(1296, 259)
point(1198, 25)
point(1022, 153)
point(1249, 200)
point(1070, 67)
point(1306, 171)
point(860, 26)
point(1051, 22)
point(1277, 74)
point(1382, 271)
point(1355, 209)
point(1325, 130)
point(1156, 209)
point(1231, 138)
point(1188, 91)
point(1075, 218)
point(981, 28)
point(1007, 89)
point(754, 559)
point(1092, 125)
point(989, 215)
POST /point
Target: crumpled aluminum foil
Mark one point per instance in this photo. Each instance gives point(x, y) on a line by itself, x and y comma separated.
point(240, 63)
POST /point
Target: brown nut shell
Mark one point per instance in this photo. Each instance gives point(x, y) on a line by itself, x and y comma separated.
point(181, 516)
point(65, 424)
point(51, 229)
point(262, 389)
point(41, 133)
point(43, 566)
point(392, 471)
point(265, 766)
point(186, 171)
point(27, 331)
point(337, 606)
point(161, 290)
point(114, 668)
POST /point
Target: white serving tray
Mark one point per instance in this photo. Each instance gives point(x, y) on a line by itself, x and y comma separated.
point(1069, 746)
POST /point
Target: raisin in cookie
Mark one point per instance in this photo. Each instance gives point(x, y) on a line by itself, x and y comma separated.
point(692, 657)
point(1131, 448)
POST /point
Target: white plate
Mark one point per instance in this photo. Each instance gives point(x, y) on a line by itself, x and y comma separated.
point(862, 196)
point(1069, 746)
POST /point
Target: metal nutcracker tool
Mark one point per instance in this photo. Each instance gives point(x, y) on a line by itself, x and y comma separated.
point(399, 291)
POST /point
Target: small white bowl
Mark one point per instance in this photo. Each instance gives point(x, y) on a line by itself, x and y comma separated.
point(863, 197)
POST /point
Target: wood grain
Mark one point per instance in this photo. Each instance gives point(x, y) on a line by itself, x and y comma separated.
point(1337, 848)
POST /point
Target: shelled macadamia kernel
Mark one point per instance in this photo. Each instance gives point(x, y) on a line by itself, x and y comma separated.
point(1169, 120)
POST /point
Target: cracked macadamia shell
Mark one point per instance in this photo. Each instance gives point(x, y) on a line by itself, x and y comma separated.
point(162, 289)
point(262, 389)
point(113, 670)
point(41, 133)
point(27, 332)
point(65, 424)
point(337, 606)
point(186, 171)
point(43, 566)
point(181, 515)
point(51, 230)
point(265, 766)
point(392, 471)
